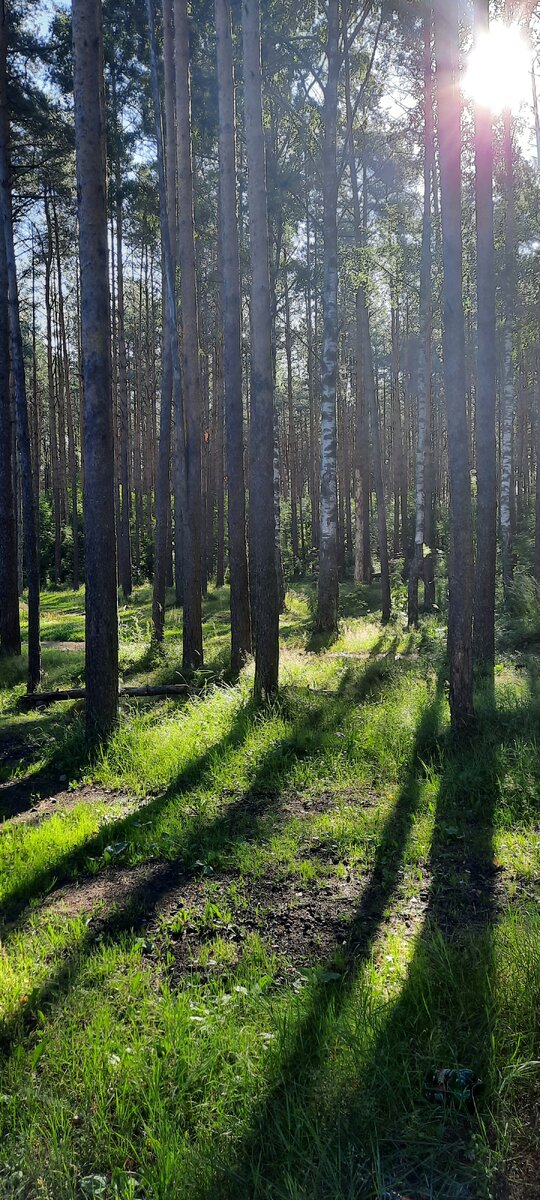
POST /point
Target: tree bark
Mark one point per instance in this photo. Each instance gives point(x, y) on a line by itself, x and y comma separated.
point(10, 630)
point(170, 378)
point(293, 473)
point(265, 599)
point(72, 453)
point(378, 479)
point(508, 358)
point(424, 346)
point(17, 366)
point(162, 488)
point(124, 533)
point(101, 657)
point(232, 350)
point(328, 589)
point(192, 626)
point(461, 556)
point(486, 447)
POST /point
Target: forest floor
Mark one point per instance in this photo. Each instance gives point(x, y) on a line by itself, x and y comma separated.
point(233, 946)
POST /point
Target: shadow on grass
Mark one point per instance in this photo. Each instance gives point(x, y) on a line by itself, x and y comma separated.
point(314, 717)
point(379, 1132)
point(318, 643)
point(68, 755)
point(253, 816)
point(316, 1134)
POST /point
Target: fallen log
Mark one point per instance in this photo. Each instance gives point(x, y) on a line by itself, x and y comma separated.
point(41, 699)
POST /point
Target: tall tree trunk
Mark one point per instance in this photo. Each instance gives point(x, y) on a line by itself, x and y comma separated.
point(461, 556)
point(265, 597)
point(232, 351)
point(35, 418)
point(17, 366)
point(124, 534)
point(486, 446)
point(362, 486)
point(174, 439)
point(328, 590)
point(313, 472)
point(378, 479)
point(293, 437)
point(72, 453)
point(10, 631)
point(101, 658)
point(218, 471)
point(362, 540)
point(424, 347)
point(52, 397)
point(537, 486)
point(400, 476)
point(170, 377)
point(193, 644)
point(162, 487)
point(508, 357)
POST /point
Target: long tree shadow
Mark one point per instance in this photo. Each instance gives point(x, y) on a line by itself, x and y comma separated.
point(444, 1015)
point(312, 721)
point(252, 816)
point(273, 1152)
point(19, 795)
point(382, 1136)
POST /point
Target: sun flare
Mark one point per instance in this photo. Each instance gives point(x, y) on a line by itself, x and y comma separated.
point(497, 75)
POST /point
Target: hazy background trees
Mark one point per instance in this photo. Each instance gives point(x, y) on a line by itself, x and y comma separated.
point(304, 276)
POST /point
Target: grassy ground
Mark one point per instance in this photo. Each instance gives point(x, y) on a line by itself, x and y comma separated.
point(233, 947)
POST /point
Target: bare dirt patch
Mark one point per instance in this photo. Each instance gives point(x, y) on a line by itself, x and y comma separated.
point(31, 801)
point(298, 804)
point(300, 924)
point(114, 889)
point(51, 645)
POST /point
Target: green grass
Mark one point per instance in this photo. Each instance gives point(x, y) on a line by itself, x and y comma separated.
point(344, 898)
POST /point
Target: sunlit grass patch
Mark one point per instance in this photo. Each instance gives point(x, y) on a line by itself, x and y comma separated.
point(205, 1049)
point(258, 1073)
point(151, 750)
point(30, 854)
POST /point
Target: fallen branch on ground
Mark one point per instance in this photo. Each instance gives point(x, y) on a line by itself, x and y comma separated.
point(37, 699)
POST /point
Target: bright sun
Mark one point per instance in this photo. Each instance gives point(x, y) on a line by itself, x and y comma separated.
point(497, 75)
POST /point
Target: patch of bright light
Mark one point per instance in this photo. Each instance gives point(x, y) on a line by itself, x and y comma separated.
point(497, 75)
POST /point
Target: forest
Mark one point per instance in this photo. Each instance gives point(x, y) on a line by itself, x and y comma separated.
point(269, 600)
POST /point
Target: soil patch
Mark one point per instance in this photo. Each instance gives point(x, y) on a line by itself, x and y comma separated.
point(114, 890)
point(80, 646)
point(41, 802)
point(302, 925)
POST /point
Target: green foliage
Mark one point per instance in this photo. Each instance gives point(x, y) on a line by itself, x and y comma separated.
point(523, 615)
